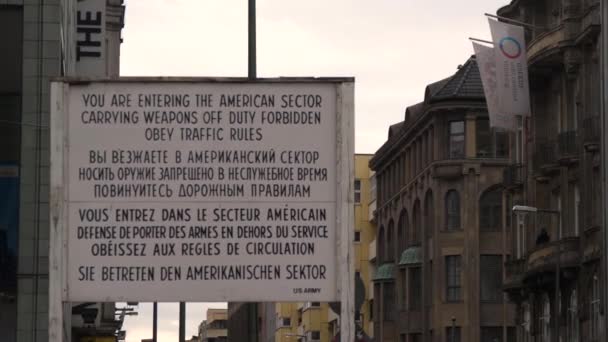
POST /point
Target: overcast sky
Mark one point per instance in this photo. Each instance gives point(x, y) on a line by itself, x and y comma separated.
point(393, 48)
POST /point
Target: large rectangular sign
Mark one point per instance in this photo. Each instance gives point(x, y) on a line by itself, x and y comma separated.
point(204, 191)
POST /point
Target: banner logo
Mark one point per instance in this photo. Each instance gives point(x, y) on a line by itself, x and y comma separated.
point(514, 45)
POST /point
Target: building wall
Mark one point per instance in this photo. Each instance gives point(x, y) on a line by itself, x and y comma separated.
point(38, 54)
point(305, 318)
point(414, 172)
point(561, 172)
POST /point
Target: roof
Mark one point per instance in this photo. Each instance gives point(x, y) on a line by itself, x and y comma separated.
point(462, 89)
point(384, 272)
point(464, 84)
point(412, 255)
point(394, 129)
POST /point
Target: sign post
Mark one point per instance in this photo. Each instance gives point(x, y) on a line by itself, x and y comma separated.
point(178, 190)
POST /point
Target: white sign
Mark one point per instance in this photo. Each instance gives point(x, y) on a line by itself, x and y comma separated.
point(193, 191)
point(511, 68)
point(90, 47)
point(487, 71)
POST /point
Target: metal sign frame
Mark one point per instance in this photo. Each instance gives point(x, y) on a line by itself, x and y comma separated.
point(344, 218)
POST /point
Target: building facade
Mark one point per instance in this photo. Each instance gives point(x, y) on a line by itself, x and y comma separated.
point(555, 270)
point(33, 52)
point(214, 328)
point(441, 236)
point(316, 321)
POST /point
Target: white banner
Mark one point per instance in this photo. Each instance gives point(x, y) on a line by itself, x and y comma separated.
point(511, 68)
point(487, 71)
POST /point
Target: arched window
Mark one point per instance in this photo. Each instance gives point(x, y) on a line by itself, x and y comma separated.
point(380, 250)
point(429, 214)
point(402, 231)
point(415, 240)
point(390, 242)
point(545, 319)
point(490, 210)
point(573, 324)
point(452, 211)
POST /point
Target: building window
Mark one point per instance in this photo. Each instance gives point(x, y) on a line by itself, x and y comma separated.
point(402, 231)
point(452, 211)
point(452, 334)
point(415, 286)
point(357, 236)
point(491, 278)
point(452, 275)
point(595, 308)
point(357, 191)
point(491, 143)
point(457, 141)
point(545, 319)
point(388, 301)
point(403, 291)
point(315, 335)
point(390, 242)
point(416, 337)
point(372, 309)
point(491, 334)
point(490, 210)
point(415, 240)
point(573, 324)
point(429, 215)
point(380, 246)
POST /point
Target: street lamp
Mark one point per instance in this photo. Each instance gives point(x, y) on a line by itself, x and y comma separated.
point(528, 209)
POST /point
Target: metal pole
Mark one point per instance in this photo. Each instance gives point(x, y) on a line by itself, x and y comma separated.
point(453, 337)
point(604, 148)
point(182, 321)
point(155, 322)
point(252, 42)
point(557, 278)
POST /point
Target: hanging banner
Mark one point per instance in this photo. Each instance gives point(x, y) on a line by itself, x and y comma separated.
point(487, 71)
point(511, 68)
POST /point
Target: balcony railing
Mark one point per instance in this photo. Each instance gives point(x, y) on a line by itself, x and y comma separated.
point(544, 257)
point(591, 132)
point(514, 176)
point(545, 155)
point(568, 147)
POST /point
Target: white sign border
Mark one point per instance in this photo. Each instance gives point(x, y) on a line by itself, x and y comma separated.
point(58, 253)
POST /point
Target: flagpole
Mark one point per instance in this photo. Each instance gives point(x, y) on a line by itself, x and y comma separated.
point(509, 20)
point(481, 40)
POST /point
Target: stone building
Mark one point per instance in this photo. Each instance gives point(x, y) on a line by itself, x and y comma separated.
point(441, 236)
point(557, 169)
point(34, 50)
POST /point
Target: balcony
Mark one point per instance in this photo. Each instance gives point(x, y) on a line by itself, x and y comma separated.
point(568, 147)
point(544, 258)
point(514, 176)
point(591, 133)
point(545, 157)
point(515, 269)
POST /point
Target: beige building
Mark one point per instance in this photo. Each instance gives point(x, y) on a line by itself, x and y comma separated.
point(441, 240)
point(214, 328)
point(315, 321)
